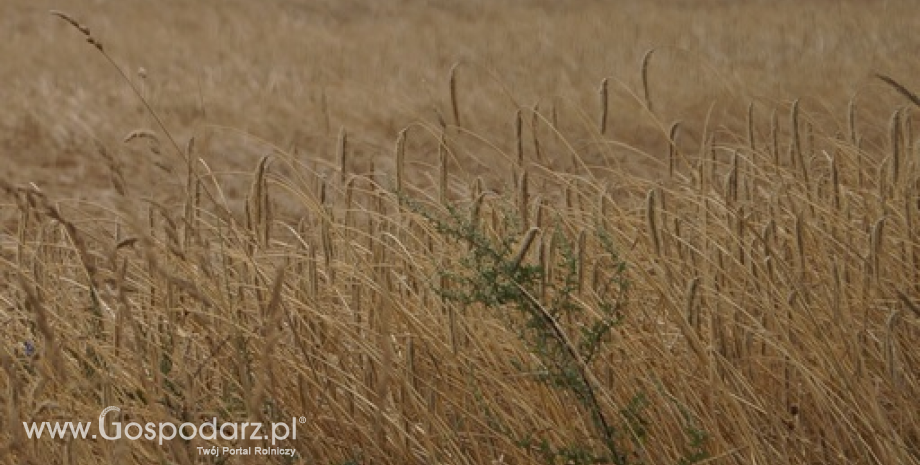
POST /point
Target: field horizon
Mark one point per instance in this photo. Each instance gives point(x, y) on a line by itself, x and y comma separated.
point(575, 232)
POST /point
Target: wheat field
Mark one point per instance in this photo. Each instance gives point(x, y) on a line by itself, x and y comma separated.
point(463, 231)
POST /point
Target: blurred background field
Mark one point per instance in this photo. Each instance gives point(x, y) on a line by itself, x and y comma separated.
point(294, 73)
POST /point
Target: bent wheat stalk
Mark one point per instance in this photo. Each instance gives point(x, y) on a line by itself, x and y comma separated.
point(900, 88)
point(92, 40)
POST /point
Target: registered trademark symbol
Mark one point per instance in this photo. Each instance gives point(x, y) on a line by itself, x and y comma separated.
point(303, 420)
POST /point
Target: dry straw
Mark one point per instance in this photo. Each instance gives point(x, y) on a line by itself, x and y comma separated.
point(798, 156)
point(876, 239)
point(603, 93)
point(453, 93)
point(752, 141)
point(443, 168)
point(526, 242)
point(891, 348)
point(272, 318)
point(519, 138)
point(401, 159)
point(342, 155)
point(582, 258)
point(913, 307)
point(851, 120)
point(258, 218)
point(652, 221)
point(894, 134)
point(692, 310)
point(774, 139)
point(646, 59)
point(673, 151)
point(534, 131)
point(524, 199)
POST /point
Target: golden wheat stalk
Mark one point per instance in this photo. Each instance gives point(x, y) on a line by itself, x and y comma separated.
point(519, 137)
point(645, 86)
point(673, 151)
point(651, 219)
point(851, 120)
point(752, 142)
point(443, 168)
point(603, 94)
point(774, 140)
point(582, 259)
point(401, 160)
point(526, 242)
point(342, 154)
point(691, 309)
point(524, 199)
point(534, 126)
point(894, 135)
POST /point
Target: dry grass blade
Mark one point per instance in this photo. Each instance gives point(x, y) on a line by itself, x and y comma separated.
point(443, 173)
point(603, 92)
point(401, 159)
point(271, 332)
point(646, 59)
point(453, 93)
point(142, 134)
point(342, 155)
point(851, 120)
point(524, 247)
point(519, 138)
point(913, 307)
point(894, 134)
point(524, 199)
point(752, 141)
point(900, 88)
point(258, 205)
point(673, 151)
point(651, 218)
